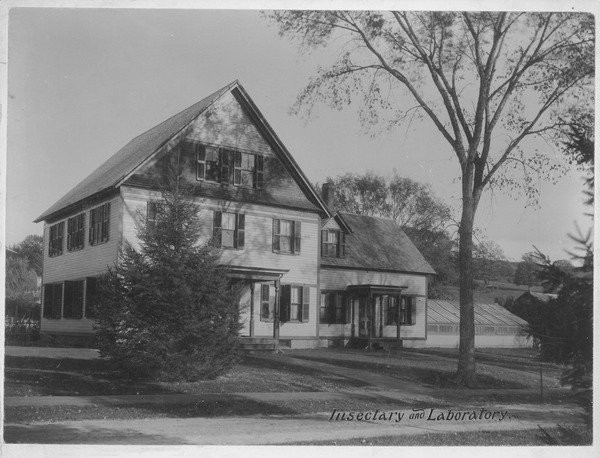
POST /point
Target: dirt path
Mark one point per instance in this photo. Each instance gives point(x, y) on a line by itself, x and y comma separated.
point(282, 430)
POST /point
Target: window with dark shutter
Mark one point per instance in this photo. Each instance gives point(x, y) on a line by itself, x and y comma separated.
point(53, 300)
point(412, 310)
point(226, 163)
point(217, 228)
point(91, 294)
point(229, 230)
point(212, 170)
point(259, 180)
point(276, 244)
point(240, 231)
point(286, 302)
point(152, 211)
point(267, 303)
point(200, 158)
point(73, 302)
point(305, 304)
point(406, 310)
point(99, 224)
point(75, 233)
point(287, 236)
point(55, 239)
point(333, 243)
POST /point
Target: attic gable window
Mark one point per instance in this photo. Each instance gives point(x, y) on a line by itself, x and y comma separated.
point(207, 160)
point(99, 224)
point(333, 243)
point(226, 166)
point(55, 244)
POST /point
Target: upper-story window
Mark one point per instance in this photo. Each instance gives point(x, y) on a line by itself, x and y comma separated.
point(55, 243)
point(75, 232)
point(99, 223)
point(286, 236)
point(332, 243)
point(229, 229)
point(225, 166)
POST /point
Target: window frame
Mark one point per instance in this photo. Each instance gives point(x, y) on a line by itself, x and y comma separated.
point(335, 310)
point(295, 236)
point(55, 239)
point(76, 232)
point(269, 302)
point(335, 249)
point(99, 224)
point(55, 308)
point(239, 233)
point(75, 296)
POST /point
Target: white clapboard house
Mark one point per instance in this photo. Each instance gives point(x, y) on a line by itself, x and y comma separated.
point(311, 277)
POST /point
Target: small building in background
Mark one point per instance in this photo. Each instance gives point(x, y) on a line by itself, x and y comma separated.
point(494, 326)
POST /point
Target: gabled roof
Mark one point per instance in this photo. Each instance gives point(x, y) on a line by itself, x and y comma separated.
point(448, 312)
point(111, 173)
point(378, 244)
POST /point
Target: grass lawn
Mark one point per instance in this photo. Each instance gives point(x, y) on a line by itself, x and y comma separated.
point(482, 438)
point(55, 376)
point(502, 368)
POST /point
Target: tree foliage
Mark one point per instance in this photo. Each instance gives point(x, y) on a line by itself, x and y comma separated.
point(21, 281)
point(166, 310)
point(564, 326)
point(487, 81)
point(528, 270)
point(31, 248)
point(422, 215)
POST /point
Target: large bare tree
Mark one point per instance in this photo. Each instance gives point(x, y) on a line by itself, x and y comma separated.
point(488, 81)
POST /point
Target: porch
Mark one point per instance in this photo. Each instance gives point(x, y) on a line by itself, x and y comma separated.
point(373, 310)
point(259, 306)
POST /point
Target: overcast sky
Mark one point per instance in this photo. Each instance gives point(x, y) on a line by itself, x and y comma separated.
point(82, 83)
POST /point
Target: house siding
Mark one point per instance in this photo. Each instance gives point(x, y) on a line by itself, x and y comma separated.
point(90, 261)
point(225, 124)
point(257, 250)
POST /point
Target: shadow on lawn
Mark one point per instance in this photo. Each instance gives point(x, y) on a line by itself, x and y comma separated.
point(272, 362)
point(432, 377)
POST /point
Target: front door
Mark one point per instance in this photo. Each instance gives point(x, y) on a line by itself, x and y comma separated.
point(363, 318)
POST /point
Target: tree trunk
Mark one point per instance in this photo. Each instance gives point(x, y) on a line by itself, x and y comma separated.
point(466, 360)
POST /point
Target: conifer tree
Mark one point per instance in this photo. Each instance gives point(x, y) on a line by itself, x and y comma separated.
point(167, 310)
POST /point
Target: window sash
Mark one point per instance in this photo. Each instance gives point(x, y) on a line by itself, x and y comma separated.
point(99, 223)
point(55, 242)
point(73, 300)
point(75, 232)
point(286, 236)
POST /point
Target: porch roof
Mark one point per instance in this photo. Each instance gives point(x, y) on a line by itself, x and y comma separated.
point(375, 289)
point(256, 273)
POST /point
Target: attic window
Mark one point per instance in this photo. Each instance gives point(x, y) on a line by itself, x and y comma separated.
point(332, 243)
point(226, 166)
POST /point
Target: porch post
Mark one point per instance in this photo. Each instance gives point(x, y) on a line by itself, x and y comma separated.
point(370, 314)
point(352, 311)
point(251, 309)
point(399, 299)
point(381, 315)
point(276, 315)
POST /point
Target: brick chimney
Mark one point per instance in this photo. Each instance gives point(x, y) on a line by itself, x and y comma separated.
point(327, 192)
